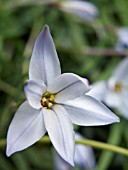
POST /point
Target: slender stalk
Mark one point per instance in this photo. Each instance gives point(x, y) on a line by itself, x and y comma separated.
point(7, 88)
point(20, 4)
point(92, 51)
point(107, 156)
point(92, 143)
point(104, 146)
point(89, 51)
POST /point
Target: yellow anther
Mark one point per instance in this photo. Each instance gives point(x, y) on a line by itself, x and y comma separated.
point(51, 98)
point(50, 104)
point(44, 99)
point(47, 100)
point(118, 87)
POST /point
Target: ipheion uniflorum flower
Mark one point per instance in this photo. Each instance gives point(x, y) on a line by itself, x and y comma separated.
point(54, 102)
point(114, 91)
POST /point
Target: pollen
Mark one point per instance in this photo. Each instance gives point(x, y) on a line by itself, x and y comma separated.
point(44, 99)
point(47, 100)
point(118, 87)
point(50, 104)
point(52, 98)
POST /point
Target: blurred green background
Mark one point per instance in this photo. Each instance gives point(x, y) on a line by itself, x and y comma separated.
point(20, 23)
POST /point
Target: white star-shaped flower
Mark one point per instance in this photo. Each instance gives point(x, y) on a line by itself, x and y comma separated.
point(54, 102)
point(114, 91)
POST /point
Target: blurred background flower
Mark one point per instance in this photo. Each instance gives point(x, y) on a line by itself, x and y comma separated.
point(122, 42)
point(83, 9)
point(114, 91)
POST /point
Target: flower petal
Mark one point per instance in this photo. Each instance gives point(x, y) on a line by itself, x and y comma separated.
point(85, 10)
point(112, 99)
point(34, 90)
point(26, 128)
point(120, 73)
point(68, 86)
point(44, 63)
point(61, 133)
point(84, 156)
point(87, 111)
point(123, 107)
point(98, 90)
point(60, 163)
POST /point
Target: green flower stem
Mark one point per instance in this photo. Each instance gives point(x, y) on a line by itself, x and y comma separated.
point(92, 143)
point(7, 88)
point(92, 51)
point(27, 3)
point(104, 146)
point(114, 138)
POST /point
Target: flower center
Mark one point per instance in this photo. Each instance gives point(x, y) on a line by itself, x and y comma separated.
point(47, 100)
point(118, 87)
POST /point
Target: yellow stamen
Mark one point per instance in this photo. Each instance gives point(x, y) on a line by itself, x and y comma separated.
point(51, 98)
point(47, 100)
point(50, 104)
point(44, 99)
point(118, 87)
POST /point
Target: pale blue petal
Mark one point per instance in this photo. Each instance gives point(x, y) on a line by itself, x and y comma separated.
point(112, 99)
point(84, 155)
point(60, 163)
point(60, 131)
point(44, 63)
point(68, 86)
point(34, 89)
point(85, 10)
point(123, 107)
point(120, 73)
point(87, 111)
point(98, 90)
point(26, 128)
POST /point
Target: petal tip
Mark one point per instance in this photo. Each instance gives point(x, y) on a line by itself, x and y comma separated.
point(117, 119)
point(46, 28)
point(9, 148)
point(8, 152)
point(71, 162)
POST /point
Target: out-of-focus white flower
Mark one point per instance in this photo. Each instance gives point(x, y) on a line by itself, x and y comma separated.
point(122, 42)
point(54, 102)
point(84, 157)
point(114, 91)
point(85, 10)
